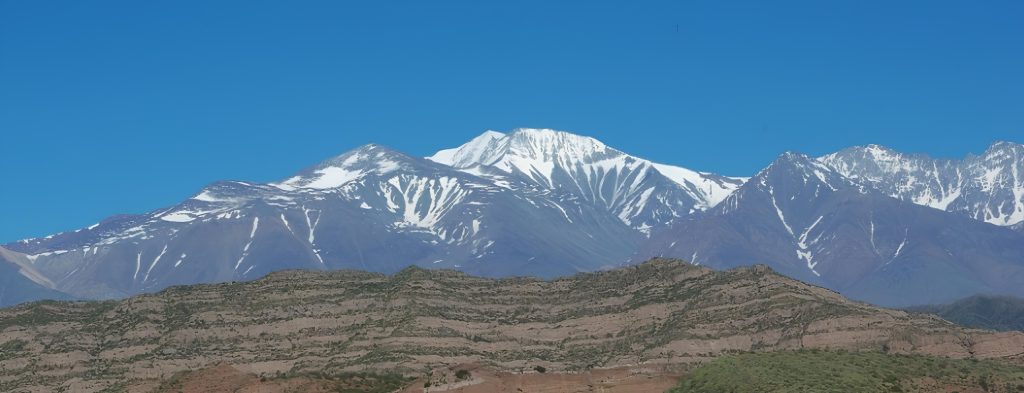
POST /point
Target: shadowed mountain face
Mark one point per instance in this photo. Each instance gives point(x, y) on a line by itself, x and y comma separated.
point(1002, 313)
point(809, 222)
point(660, 312)
point(19, 283)
point(866, 221)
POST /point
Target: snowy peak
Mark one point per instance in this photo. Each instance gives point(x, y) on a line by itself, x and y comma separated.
point(553, 146)
point(370, 157)
point(542, 146)
point(791, 177)
point(335, 172)
point(999, 175)
point(469, 154)
point(792, 165)
point(871, 161)
point(1001, 154)
point(541, 155)
point(1005, 146)
point(987, 187)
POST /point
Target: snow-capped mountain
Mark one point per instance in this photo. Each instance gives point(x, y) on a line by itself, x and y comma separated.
point(811, 222)
point(987, 187)
point(549, 203)
point(371, 209)
point(641, 193)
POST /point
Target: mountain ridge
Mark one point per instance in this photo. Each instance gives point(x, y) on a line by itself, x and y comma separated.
point(662, 313)
point(814, 224)
point(987, 187)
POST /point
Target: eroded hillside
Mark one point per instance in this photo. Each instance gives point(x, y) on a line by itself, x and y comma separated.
point(662, 313)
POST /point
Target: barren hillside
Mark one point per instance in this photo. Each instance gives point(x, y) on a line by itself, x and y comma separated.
point(662, 313)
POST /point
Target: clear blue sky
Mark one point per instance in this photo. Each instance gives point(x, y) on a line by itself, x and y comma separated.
point(122, 107)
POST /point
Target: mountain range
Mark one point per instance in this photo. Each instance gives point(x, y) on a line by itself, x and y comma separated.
point(877, 225)
point(812, 223)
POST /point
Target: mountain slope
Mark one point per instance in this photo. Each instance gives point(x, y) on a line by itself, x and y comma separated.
point(656, 313)
point(812, 223)
point(1000, 313)
point(20, 283)
point(988, 187)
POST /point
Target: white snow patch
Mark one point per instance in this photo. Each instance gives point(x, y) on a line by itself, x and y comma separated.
point(206, 196)
point(138, 265)
point(153, 264)
point(252, 235)
point(422, 202)
point(180, 216)
point(311, 224)
point(286, 225)
point(782, 218)
point(332, 177)
point(470, 152)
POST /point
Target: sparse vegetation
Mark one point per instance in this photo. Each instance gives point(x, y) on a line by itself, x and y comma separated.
point(339, 383)
point(329, 323)
point(842, 371)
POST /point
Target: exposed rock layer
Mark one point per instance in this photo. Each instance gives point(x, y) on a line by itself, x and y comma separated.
point(658, 313)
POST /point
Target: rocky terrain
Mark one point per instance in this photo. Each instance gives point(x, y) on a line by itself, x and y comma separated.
point(662, 314)
point(468, 378)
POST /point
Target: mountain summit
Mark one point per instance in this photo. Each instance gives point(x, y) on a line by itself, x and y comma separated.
point(987, 187)
point(353, 165)
point(643, 194)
